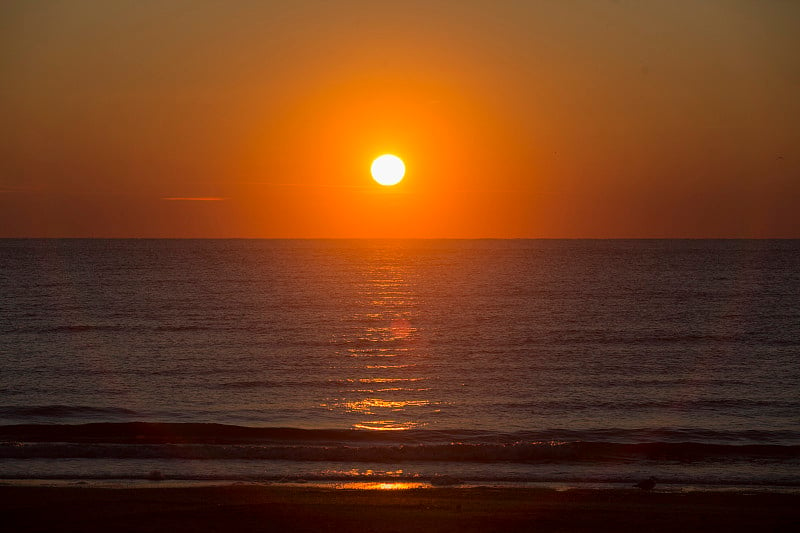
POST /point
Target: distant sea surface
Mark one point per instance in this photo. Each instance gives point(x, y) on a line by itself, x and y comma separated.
point(485, 361)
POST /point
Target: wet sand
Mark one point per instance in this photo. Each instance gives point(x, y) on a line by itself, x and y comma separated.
point(244, 508)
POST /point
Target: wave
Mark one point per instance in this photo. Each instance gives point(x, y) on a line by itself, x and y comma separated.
point(199, 432)
point(63, 411)
point(243, 471)
point(694, 405)
point(535, 452)
point(218, 441)
point(67, 328)
point(546, 337)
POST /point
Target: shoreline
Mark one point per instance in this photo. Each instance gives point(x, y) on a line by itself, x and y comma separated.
point(241, 507)
point(414, 483)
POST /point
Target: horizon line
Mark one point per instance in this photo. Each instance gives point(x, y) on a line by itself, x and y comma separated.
point(409, 238)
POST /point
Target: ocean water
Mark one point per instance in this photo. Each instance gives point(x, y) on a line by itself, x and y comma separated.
point(331, 360)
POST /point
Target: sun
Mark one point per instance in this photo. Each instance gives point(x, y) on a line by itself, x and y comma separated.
point(388, 169)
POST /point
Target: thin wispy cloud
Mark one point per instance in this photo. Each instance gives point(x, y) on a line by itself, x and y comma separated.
point(193, 199)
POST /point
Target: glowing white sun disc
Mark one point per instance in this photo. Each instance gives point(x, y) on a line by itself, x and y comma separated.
point(388, 169)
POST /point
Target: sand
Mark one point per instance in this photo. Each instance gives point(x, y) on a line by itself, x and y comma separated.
point(243, 508)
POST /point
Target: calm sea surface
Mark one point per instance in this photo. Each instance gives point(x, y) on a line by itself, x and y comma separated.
point(553, 361)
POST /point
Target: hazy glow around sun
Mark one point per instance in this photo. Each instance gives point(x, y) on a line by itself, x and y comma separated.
point(388, 169)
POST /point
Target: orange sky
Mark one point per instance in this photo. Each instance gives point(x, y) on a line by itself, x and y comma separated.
point(515, 119)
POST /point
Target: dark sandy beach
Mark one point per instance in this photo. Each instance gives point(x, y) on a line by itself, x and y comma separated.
point(264, 508)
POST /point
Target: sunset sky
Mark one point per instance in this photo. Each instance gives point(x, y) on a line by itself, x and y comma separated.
point(554, 119)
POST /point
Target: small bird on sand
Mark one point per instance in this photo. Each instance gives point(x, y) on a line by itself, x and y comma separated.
point(646, 484)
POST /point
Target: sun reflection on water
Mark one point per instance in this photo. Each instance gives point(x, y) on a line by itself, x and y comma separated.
point(385, 485)
point(386, 425)
point(389, 396)
point(367, 405)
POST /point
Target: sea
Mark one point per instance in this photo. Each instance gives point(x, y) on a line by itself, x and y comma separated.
point(565, 363)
